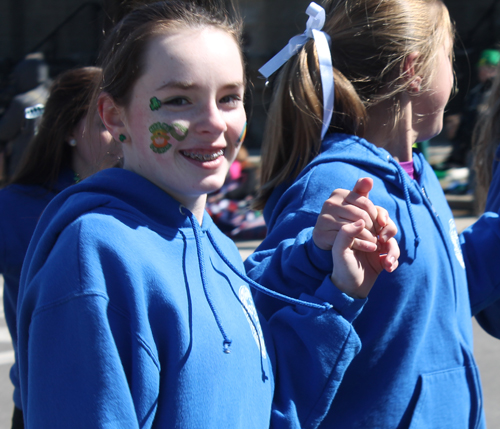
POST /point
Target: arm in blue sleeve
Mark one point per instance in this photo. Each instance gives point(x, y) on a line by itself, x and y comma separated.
point(75, 376)
point(312, 350)
point(81, 363)
point(481, 247)
point(288, 261)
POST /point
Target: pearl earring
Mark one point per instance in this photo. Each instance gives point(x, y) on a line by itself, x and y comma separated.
point(72, 142)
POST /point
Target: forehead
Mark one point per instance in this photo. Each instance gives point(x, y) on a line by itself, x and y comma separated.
point(193, 55)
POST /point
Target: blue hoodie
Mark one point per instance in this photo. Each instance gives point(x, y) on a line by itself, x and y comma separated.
point(20, 209)
point(481, 245)
point(416, 368)
point(132, 315)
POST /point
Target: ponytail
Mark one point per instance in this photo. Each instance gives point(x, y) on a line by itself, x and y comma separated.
point(370, 41)
point(292, 136)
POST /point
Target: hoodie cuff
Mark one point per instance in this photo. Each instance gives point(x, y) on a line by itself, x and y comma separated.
point(321, 259)
point(349, 308)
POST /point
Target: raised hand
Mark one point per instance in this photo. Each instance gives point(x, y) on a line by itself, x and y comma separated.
point(368, 245)
point(345, 207)
point(355, 271)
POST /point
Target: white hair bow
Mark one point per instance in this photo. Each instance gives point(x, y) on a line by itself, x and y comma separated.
point(313, 30)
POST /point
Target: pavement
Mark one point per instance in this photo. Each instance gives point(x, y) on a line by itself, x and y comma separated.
point(486, 348)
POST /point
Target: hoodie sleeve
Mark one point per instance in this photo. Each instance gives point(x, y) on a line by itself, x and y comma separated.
point(290, 266)
point(481, 247)
point(288, 261)
point(311, 350)
point(76, 350)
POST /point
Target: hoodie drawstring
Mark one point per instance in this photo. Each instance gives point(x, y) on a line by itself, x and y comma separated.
point(226, 344)
point(325, 306)
point(401, 174)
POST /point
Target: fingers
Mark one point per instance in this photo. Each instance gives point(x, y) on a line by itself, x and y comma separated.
point(346, 235)
point(389, 259)
point(363, 186)
point(385, 227)
point(357, 202)
point(327, 228)
point(347, 207)
point(364, 245)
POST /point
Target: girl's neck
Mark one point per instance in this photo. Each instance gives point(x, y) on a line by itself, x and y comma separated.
point(198, 208)
point(80, 168)
point(397, 136)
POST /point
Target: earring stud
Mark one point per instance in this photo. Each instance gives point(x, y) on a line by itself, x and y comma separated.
point(72, 142)
point(122, 138)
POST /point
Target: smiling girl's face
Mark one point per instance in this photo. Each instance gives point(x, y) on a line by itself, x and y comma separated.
point(183, 124)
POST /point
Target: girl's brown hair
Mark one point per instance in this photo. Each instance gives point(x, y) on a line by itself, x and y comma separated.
point(370, 41)
point(122, 57)
point(48, 153)
point(485, 142)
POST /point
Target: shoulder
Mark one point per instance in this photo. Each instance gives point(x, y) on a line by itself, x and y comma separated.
point(126, 235)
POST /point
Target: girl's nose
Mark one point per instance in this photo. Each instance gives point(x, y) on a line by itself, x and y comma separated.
point(211, 120)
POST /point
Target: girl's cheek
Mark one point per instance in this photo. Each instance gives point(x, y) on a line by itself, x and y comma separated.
point(164, 135)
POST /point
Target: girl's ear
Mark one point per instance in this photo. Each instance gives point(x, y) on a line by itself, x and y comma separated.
point(409, 72)
point(111, 116)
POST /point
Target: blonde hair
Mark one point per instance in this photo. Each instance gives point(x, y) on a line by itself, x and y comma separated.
point(370, 41)
point(485, 141)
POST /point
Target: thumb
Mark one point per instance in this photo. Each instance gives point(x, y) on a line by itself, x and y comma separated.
point(363, 186)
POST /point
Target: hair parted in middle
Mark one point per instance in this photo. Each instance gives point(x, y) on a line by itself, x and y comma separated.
point(122, 56)
point(370, 42)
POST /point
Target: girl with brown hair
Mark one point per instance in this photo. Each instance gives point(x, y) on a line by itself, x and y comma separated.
point(65, 150)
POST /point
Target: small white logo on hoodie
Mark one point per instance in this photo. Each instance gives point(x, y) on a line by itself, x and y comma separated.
point(246, 299)
point(456, 243)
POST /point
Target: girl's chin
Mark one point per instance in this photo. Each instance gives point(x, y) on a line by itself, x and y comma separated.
point(211, 186)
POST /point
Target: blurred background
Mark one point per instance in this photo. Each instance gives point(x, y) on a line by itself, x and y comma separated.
point(68, 34)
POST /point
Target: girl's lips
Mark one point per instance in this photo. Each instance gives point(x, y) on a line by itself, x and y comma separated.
point(203, 156)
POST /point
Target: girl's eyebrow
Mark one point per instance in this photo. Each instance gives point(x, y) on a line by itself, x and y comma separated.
point(186, 85)
point(177, 84)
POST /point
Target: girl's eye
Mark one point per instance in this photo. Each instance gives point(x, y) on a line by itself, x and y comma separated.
point(177, 101)
point(233, 98)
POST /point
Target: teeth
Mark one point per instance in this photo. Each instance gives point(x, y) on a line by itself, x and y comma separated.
point(203, 157)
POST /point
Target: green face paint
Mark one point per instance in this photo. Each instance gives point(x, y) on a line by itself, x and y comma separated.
point(154, 104)
point(243, 134)
point(161, 134)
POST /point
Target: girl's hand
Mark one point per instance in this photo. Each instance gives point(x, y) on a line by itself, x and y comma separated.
point(355, 271)
point(345, 207)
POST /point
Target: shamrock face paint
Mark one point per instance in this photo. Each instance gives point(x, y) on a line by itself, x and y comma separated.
point(161, 133)
point(243, 134)
point(154, 104)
